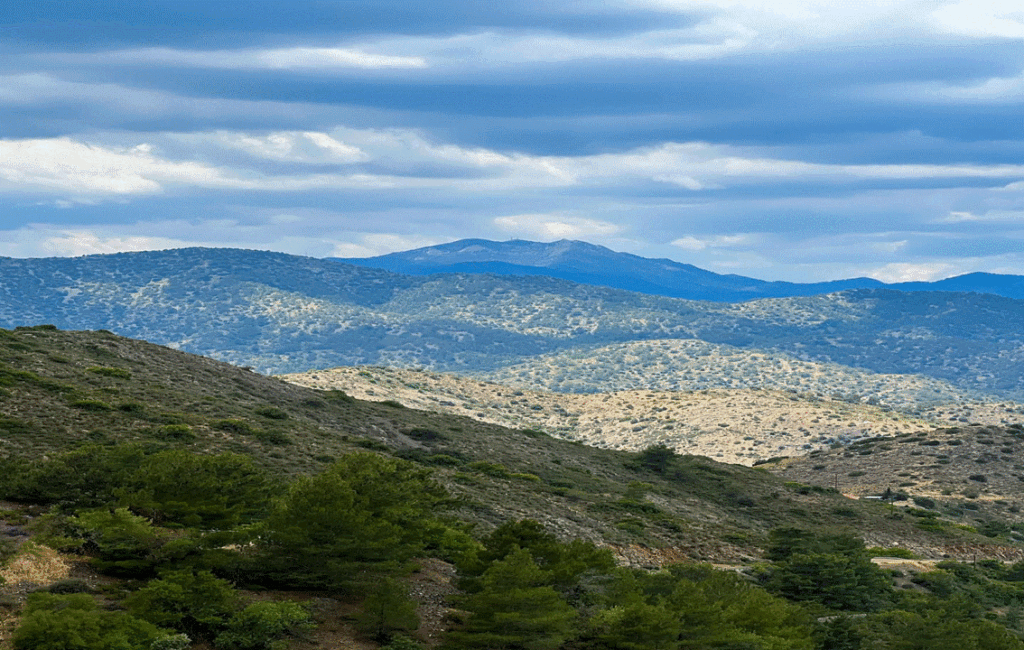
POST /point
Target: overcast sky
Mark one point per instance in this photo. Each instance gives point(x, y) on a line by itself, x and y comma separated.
point(795, 140)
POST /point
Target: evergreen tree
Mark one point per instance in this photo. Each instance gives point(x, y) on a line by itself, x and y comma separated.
point(388, 610)
point(515, 609)
point(365, 513)
point(208, 492)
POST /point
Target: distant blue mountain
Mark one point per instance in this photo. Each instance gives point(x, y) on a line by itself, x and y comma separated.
point(599, 266)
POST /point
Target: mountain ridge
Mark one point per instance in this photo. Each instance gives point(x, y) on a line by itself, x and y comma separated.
point(282, 313)
point(579, 261)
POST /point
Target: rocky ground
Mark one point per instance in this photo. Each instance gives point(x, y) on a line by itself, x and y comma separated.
point(730, 425)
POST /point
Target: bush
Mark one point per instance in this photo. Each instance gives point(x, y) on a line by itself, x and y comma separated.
point(424, 435)
point(273, 437)
point(260, 625)
point(123, 543)
point(197, 603)
point(176, 433)
point(91, 405)
point(272, 412)
point(119, 373)
point(240, 427)
point(386, 611)
point(76, 622)
point(173, 642)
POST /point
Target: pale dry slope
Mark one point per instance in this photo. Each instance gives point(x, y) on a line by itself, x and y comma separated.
point(731, 425)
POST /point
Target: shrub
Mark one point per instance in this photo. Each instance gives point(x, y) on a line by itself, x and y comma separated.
point(273, 437)
point(496, 470)
point(260, 625)
point(91, 405)
point(386, 611)
point(272, 412)
point(68, 586)
point(924, 502)
point(119, 373)
point(176, 433)
point(173, 642)
point(240, 427)
point(197, 603)
point(75, 621)
point(424, 435)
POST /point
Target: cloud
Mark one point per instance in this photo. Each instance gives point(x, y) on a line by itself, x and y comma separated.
point(555, 226)
point(290, 58)
point(291, 146)
point(692, 243)
point(982, 19)
point(41, 240)
point(989, 216)
point(373, 244)
point(911, 272)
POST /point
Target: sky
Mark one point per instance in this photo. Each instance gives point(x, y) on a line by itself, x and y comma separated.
point(788, 140)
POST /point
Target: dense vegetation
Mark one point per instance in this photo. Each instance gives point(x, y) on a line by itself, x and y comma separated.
point(199, 488)
point(358, 524)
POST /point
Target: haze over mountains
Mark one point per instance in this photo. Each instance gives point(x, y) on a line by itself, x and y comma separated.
point(590, 264)
point(282, 313)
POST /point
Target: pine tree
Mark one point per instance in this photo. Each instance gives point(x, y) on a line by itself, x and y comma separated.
point(515, 609)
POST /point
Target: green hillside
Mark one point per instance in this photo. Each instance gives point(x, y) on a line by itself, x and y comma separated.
point(211, 506)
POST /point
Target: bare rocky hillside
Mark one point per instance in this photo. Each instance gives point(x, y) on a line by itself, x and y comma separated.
point(730, 425)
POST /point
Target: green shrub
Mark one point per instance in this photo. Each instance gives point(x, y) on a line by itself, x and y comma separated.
point(272, 437)
point(91, 405)
point(68, 586)
point(196, 603)
point(534, 433)
point(336, 395)
point(176, 433)
point(272, 412)
point(173, 642)
point(76, 622)
point(924, 502)
point(123, 543)
point(119, 373)
point(240, 427)
point(387, 610)
point(260, 626)
point(496, 470)
point(424, 435)
point(893, 551)
point(8, 549)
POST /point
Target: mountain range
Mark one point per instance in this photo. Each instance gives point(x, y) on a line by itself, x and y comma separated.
point(283, 313)
point(586, 263)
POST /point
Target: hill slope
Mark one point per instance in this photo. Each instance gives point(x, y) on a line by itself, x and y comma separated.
point(60, 389)
point(281, 313)
point(733, 425)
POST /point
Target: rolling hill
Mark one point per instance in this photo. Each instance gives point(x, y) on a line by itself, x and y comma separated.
point(281, 313)
point(63, 389)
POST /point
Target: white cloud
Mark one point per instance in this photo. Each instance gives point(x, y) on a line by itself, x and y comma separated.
point(889, 246)
point(73, 168)
point(989, 216)
point(373, 244)
point(692, 243)
point(290, 58)
point(908, 272)
point(289, 146)
point(72, 243)
point(982, 18)
point(555, 226)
